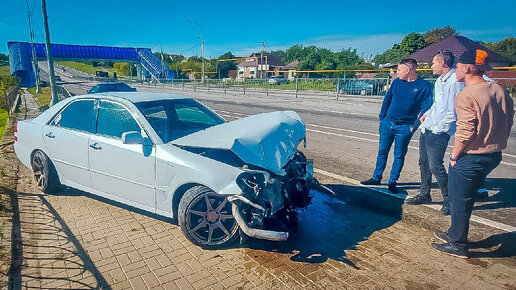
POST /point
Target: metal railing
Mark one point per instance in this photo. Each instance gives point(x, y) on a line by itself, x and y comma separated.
point(10, 99)
point(332, 87)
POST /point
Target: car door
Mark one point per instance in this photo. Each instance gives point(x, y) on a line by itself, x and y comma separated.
point(66, 138)
point(124, 171)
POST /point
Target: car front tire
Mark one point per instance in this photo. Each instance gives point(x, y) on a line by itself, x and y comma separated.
point(206, 219)
point(45, 173)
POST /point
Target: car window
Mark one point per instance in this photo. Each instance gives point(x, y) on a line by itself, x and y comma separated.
point(123, 87)
point(172, 119)
point(113, 120)
point(188, 113)
point(76, 116)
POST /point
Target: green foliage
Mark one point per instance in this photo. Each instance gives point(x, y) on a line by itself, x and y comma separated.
point(225, 66)
point(393, 55)
point(505, 47)
point(412, 42)
point(437, 34)
point(4, 59)
point(6, 79)
point(4, 115)
point(122, 69)
point(43, 97)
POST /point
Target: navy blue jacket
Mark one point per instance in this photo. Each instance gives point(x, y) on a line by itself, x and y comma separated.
point(406, 102)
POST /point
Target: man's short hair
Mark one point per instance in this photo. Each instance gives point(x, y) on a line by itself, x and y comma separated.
point(410, 62)
point(447, 56)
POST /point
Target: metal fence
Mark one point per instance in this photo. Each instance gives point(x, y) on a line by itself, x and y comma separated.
point(333, 87)
point(10, 98)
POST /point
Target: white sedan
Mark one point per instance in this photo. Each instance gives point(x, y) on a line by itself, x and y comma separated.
point(171, 155)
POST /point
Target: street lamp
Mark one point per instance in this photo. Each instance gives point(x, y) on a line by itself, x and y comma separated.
point(202, 48)
point(162, 63)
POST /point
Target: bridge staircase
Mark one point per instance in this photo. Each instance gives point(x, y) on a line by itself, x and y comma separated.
point(152, 64)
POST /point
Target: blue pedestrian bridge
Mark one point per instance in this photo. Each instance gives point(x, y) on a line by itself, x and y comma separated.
point(20, 58)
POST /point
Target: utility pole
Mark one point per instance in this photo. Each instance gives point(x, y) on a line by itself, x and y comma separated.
point(33, 49)
point(261, 60)
point(202, 48)
point(50, 60)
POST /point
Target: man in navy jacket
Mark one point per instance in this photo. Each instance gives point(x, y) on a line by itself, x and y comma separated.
point(408, 98)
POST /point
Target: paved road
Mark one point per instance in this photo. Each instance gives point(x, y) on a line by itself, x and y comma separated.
point(74, 240)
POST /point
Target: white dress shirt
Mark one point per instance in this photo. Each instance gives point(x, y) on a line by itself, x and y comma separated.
point(441, 116)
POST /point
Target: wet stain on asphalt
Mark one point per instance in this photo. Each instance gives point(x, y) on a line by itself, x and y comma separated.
point(326, 230)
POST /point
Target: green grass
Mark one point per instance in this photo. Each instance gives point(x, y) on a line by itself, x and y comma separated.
point(84, 67)
point(3, 121)
point(44, 97)
point(4, 70)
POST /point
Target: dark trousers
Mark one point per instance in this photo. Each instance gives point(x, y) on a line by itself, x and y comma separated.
point(432, 148)
point(463, 182)
point(399, 134)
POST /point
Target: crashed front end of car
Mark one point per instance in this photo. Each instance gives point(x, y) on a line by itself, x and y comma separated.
point(269, 202)
point(276, 178)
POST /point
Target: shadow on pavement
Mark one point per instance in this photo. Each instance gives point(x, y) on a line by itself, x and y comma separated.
point(495, 246)
point(504, 198)
point(45, 252)
point(327, 228)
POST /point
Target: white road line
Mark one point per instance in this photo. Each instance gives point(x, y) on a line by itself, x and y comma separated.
point(480, 220)
point(358, 132)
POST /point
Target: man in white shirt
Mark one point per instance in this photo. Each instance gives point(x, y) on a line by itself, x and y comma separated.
point(437, 125)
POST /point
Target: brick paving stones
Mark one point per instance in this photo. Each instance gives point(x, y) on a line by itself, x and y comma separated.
point(74, 240)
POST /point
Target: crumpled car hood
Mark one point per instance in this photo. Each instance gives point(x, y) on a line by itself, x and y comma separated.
point(267, 140)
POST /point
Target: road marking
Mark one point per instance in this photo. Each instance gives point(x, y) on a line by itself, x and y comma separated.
point(480, 220)
point(359, 138)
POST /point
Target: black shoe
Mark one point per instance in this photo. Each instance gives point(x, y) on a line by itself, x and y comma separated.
point(445, 210)
point(443, 236)
point(450, 250)
point(419, 199)
point(393, 188)
point(371, 181)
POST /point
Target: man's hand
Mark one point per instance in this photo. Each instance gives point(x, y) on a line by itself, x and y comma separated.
point(422, 119)
point(411, 129)
point(452, 163)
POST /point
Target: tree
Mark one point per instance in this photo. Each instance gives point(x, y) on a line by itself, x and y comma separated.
point(437, 34)
point(225, 66)
point(4, 59)
point(412, 42)
point(506, 48)
point(392, 56)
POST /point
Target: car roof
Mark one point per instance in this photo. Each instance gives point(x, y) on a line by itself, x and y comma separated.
point(136, 97)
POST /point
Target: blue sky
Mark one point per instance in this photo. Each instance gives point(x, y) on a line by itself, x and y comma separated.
point(240, 26)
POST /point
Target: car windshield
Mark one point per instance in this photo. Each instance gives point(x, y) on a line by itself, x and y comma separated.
point(115, 87)
point(173, 119)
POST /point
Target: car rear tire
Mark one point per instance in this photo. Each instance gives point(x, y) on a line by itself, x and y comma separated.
point(363, 92)
point(206, 218)
point(45, 173)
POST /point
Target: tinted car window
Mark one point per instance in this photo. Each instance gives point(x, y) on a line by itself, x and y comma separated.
point(76, 116)
point(172, 119)
point(114, 119)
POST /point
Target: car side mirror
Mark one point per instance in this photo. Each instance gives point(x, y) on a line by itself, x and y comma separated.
point(132, 137)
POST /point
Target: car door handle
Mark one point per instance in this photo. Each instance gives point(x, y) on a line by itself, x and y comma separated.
point(50, 135)
point(95, 146)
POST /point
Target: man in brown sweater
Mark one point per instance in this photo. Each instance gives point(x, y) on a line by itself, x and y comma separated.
point(485, 114)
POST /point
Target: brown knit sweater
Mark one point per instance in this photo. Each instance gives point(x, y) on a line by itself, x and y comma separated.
point(485, 114)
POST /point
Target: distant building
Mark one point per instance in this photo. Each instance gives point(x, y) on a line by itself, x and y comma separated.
point(252, 67)
point(291, 67)
point(458, 45)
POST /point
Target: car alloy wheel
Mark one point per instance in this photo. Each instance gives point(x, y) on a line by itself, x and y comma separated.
point(206, 218)
point(44, 172)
